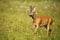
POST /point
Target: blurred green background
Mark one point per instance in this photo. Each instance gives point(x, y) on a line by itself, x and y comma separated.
point(15, 23)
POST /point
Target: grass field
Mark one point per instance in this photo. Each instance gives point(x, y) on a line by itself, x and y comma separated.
point(15, 23)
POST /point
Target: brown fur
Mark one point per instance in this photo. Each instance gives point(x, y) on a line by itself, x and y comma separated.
point(40, 21)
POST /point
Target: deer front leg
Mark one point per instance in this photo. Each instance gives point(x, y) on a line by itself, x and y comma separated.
point(33, 27)
point(36, 28)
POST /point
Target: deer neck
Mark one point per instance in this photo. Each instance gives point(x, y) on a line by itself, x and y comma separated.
point(34, 17)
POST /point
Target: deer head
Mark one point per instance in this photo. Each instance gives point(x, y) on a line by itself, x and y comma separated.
point(32, 12)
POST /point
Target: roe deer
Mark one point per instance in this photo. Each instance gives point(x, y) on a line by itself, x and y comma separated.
point(39, 21)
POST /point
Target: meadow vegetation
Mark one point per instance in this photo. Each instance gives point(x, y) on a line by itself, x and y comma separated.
point(15, 23)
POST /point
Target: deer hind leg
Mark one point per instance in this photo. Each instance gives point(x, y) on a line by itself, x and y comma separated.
point(49, 29)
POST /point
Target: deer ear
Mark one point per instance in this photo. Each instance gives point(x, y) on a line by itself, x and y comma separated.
point(34, 8)
point(31, 6)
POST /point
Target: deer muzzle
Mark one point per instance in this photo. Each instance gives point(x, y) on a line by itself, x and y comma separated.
point(31, 14)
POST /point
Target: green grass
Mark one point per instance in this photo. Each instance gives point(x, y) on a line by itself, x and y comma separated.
point(15, 23)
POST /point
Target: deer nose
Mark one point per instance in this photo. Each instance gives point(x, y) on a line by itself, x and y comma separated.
point(30, 14)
